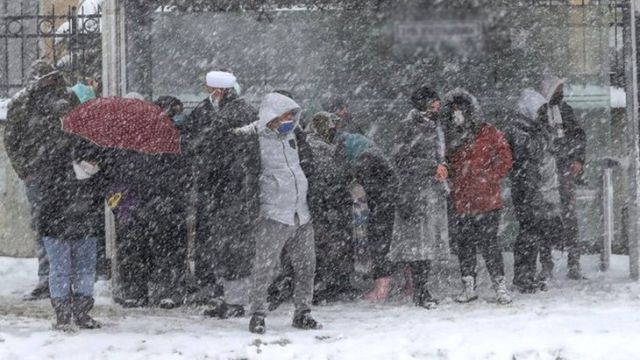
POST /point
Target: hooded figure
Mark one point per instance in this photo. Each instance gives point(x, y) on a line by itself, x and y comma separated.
point(420, 229)
point(31, 135)
point(534, 190)
point(285, 219)
point(364, 163)
point(225, 171)
point(570, 148)
point(479, 159)
point(330, 204)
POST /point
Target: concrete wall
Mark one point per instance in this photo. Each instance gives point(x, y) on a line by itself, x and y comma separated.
point(16, 236)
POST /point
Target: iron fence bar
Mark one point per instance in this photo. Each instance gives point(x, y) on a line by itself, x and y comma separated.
point(22, 45)
point(6, 54)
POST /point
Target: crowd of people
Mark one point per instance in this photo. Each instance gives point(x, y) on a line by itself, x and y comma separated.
point(290, 206)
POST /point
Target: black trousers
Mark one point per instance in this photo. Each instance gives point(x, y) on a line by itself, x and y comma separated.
point(152, 250)
point(380, 231)
point(537, 236)
point(205, 243)
point(334, 259)
point(224, 246)
point(475, 232)
point(569, 218)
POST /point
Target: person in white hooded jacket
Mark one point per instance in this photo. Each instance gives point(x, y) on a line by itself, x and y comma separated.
point(570, 144)
point(285, 220)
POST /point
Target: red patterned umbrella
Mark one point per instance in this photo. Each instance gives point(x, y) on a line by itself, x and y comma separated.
point(122, 123)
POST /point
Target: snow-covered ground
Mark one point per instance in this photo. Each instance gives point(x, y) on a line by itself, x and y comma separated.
point(4, 104)
point(594, 319)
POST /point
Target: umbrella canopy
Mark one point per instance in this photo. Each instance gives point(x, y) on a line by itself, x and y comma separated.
point(121, 123)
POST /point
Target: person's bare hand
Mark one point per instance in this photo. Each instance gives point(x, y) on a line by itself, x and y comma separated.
point(442, 173)
point(576, 168)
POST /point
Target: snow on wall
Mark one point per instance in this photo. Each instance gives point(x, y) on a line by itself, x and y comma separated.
point(4, 104)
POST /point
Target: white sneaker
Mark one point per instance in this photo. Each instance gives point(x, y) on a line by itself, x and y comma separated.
point(468, 291)
point(502, 294)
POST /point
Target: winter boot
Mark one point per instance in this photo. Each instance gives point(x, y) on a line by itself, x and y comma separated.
point(81, 307)
point(131, 303)
point(303, 320)
point(380, 291)
point(62, 308)
point(468, 290)
point(223, 310)
point(256, 324)
point(424, 299)
point(168, 304)
point(419, 279)
point(409, 283)
point(543, 278)
point(41, 291)
point(502, 294)
point(574, 273)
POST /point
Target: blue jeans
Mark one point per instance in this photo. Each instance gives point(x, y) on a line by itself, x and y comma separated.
point(72, 266)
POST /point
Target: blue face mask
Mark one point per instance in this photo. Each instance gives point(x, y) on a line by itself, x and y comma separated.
point(285, 127)
point(179, 119)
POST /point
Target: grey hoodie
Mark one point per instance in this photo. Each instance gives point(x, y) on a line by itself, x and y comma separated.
point(283, 184)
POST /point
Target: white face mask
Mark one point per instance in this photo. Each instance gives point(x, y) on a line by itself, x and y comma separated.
point(84, 170)
point(458, 118)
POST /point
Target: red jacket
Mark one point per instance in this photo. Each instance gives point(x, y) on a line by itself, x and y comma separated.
point(477, 170)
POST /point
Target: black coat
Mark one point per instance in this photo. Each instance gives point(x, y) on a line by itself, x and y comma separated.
point(33, 126)
point(226, 169)
point(329, 198)
point(70, 209)
point(530, 142)
point(157, 183)
point(572, 147)
point(369, 167)
point(226, 166)
point(38, 149)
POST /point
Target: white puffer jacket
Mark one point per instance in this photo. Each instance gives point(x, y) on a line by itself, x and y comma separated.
point(283, 184)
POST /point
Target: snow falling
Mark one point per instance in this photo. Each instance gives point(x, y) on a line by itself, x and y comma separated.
point(319, 179)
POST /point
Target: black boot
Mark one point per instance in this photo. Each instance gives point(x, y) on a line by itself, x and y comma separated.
point(420, 275)
point(256, 324)
point(221, 309)
point(130, 303)
point(81, 307)
point(41, 291)
point(303, 320)
point(62, 309)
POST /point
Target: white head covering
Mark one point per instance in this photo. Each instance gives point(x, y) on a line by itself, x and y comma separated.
point(530, 102)
point(549, 85)
point(220, 79)
point(134, 95)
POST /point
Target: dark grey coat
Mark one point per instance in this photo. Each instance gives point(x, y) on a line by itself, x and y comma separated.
point(420, 229)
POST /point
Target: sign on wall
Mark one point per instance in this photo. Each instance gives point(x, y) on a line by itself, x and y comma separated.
point(437, 33)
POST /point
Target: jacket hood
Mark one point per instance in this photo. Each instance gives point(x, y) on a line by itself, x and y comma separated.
point(549, 85)
point(83, 92)
point(353, 145)
point(274, 105)
point(529, 103)
point(476, 110)
point(321, 117)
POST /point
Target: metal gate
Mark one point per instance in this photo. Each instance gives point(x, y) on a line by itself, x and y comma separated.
point(68, 39)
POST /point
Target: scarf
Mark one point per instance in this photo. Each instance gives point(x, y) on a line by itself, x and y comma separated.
point(555, 120)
